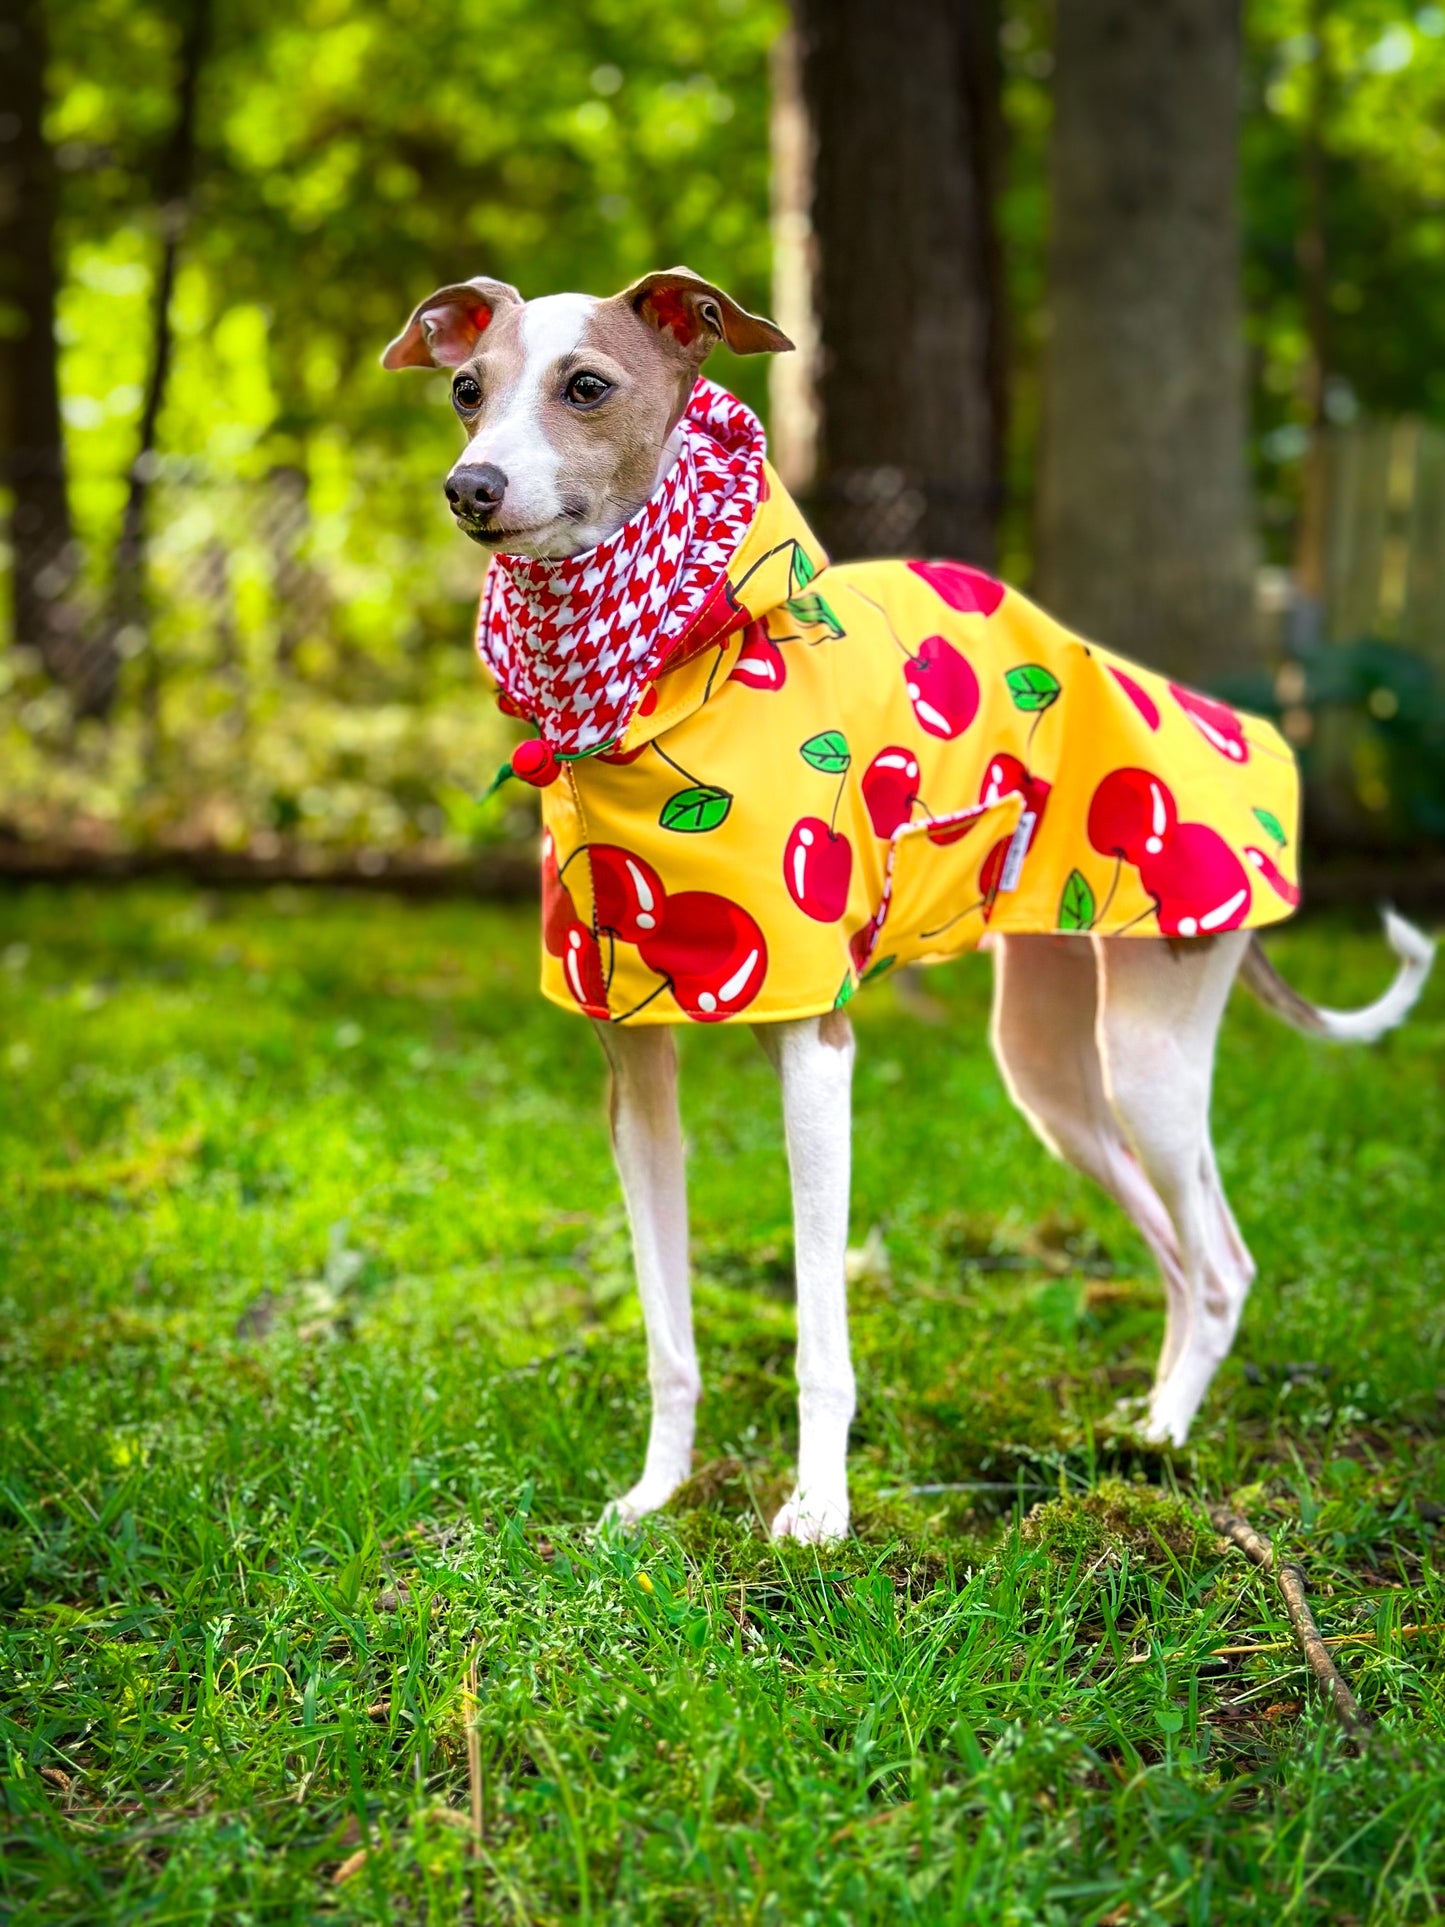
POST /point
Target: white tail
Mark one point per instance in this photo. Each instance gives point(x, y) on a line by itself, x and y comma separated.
point(1416, 953)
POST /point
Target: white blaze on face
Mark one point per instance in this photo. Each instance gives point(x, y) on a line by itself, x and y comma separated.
point(512, 435)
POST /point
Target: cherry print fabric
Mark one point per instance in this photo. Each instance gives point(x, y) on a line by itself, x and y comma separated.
point(868, 765)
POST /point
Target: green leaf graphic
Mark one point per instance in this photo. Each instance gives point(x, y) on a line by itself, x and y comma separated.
point(694, 810)
point(847, 990)
point(1272, 826)
point(1032, 687)
point(828, 752)
point(800, 569)
point(877, 969)
point(1076, 905)
point(812, 608)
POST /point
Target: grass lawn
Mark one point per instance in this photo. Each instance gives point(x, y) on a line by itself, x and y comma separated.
point(320, 1356)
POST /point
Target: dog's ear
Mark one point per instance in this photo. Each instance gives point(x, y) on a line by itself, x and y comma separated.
point(444, 328)
point(691, 312)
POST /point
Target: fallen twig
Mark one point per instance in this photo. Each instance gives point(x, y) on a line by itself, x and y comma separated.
point(1290, 1580)
point(352, 1864)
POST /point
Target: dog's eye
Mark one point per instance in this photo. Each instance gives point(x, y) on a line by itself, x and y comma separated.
point(584, 390)
point(467, 392)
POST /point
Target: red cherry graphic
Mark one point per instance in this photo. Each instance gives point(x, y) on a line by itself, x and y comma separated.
point(861, 942)
point(1006, 776)
point(1003, 776)
point(1199, 884)
point(582, 967)
point(1216, 722)
point(1273, 875)
point(558, 912)
point(890, 788)
point(649, 700)
point(942, 687)
point(817, 865)
point(627, 894)
point(989, 875)
point(711, 952)
point(1133, 815)
point(535, 763)
point(969, 591)
point(760, 664)
point(1138, 695)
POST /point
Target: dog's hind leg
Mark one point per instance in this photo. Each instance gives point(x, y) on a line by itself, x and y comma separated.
point(647, 1144)
point(1045, 1009)
point(1160, 1004)
point(814, 1059)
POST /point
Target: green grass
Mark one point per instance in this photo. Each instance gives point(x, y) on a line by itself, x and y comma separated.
point(320, 1355)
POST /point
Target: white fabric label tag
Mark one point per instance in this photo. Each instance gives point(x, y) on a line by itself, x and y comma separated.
point(1013, 863)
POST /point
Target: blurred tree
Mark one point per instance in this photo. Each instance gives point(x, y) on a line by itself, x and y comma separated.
point(911, 390)
point(1143, 529)
point(1312, 250)
point(175, 174)
point(41, 538)
point(1344, 202)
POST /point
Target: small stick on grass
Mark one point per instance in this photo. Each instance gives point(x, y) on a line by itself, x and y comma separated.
point(1290, 1581)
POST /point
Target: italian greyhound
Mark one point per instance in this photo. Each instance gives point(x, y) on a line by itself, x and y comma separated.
point(570, 407)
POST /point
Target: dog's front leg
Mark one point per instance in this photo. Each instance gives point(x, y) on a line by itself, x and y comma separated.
point(647, 1144)
point(814, 1059)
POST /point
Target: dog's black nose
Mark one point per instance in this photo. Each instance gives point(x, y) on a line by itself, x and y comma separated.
point(476, 490)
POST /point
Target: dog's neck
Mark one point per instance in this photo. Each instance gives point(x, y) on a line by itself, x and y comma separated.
point(573, 640)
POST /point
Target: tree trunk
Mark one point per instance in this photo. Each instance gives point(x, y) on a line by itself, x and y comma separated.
point(42, 545)
point(792, 378)
point(902, 102)
point(174, 180)
point(1144, 535)
point(1312, 251)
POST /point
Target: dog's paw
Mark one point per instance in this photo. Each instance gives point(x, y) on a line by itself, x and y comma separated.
point(621, 1514)
point(1166, 1424)
point(813, 1521)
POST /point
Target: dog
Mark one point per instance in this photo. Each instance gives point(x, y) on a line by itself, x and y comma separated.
point(658, 609)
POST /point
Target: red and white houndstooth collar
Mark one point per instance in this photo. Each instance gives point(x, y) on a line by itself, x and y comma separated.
point(573, 644)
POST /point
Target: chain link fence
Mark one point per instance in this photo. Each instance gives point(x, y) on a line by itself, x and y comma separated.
point(296, 684)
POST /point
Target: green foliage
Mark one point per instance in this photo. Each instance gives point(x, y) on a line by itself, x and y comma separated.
point(1377, 741)
point(1384, 108)
point(312, 602)
point(1385, 229)
point(320, 1353)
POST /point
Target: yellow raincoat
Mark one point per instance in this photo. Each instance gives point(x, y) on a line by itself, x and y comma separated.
point(888, 761)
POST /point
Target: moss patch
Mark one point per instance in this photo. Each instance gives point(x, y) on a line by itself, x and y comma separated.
point(1155, 1529)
